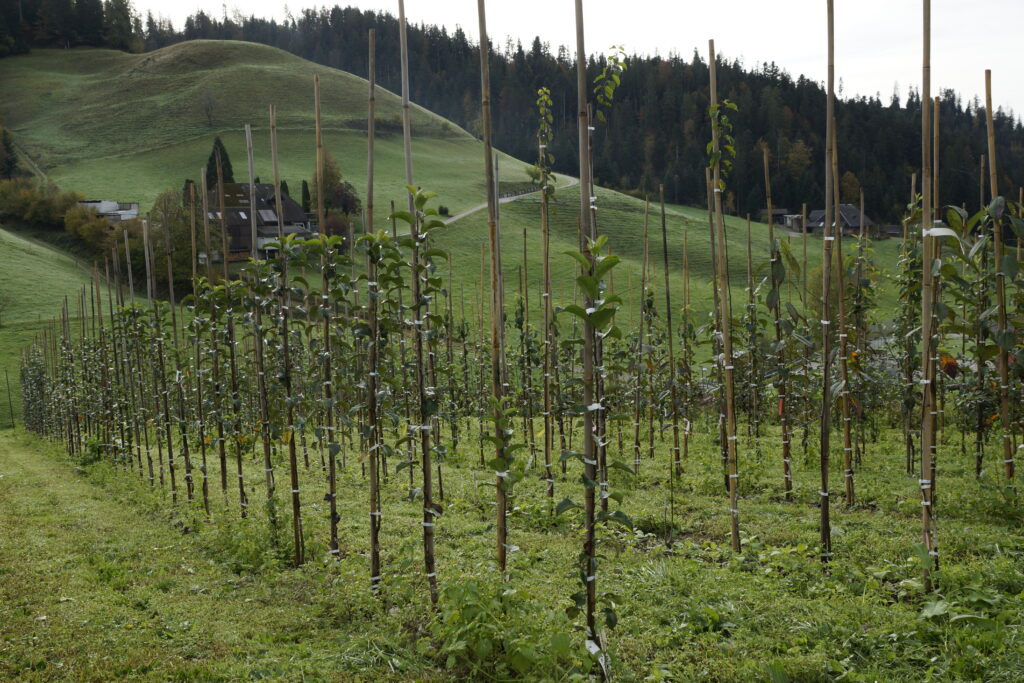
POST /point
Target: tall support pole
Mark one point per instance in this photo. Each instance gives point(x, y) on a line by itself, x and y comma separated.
point(775, 305)
point(254, 253)
point(1002, 360)
point(589, 341)
point(371, 269)
point(927, 302)
point(420, 329)
point(497, 309)
point(725, 319)
point(676, 469)
point(826, 349)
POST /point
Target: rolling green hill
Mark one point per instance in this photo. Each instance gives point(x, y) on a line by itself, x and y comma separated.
point(115, 125)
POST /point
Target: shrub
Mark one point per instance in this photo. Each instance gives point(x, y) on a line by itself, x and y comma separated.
point(22, 200)
point(87, 225)
point(488, 629)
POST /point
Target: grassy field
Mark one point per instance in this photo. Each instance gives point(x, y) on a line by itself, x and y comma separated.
point(102, 578)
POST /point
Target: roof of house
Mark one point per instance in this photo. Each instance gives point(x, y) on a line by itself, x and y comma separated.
point(239, 208)
point(849, 215)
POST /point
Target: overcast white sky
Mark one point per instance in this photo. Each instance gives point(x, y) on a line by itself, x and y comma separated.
point(878, 42)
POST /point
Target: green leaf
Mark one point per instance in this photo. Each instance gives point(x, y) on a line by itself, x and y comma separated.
point(1005, 339)
point(935, 608)
point(565, 505)
point(575, 310)
point(1010, 266)
point(589, 285)
point(997, 208)
point(599, 319)
point(580, 258)
point(402, 216)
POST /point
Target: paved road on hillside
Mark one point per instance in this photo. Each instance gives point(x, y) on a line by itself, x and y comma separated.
point(505, 200)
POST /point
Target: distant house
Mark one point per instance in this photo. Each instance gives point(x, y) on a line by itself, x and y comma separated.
point(793, 221)
point(848, 218)
point(778, 215)
point(113, 211)
point(890, 230)
point(240, 212)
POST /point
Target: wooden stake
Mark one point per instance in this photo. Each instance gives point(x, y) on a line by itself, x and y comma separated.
point(421, 330)
point(371, 269)
point(589, 568)
point(1002, 360)
point(726, 320)
point(775, 306)
point(927, 303)
point(826, 350)
point(676, 469)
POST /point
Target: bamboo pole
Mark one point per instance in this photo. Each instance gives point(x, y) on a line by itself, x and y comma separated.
point(861, 328)
point(253, 252)
point(826, 350)
point(751, 325)
point(549, 349)
point(638, 396)
point(419, 329)
point(927, 303)
point(775, 305)
point(676, 469)
point(726, 320)
point(192, 228)
point(284, 252)
point(327, 379)
point(497, 325)
point(589, 569)
point(373, 360)
point(1002, 359)
point(844, 366)
point(716, 337)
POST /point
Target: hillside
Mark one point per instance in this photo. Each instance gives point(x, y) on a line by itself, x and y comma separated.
point(33, 284)
point(117, 125)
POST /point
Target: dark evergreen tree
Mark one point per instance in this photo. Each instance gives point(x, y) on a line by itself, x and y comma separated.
point(55, 23)
point(284, 188)
point(305, 196)
point(119, 23)
point(225, 164)
point(8, 157)
point(89, 22)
